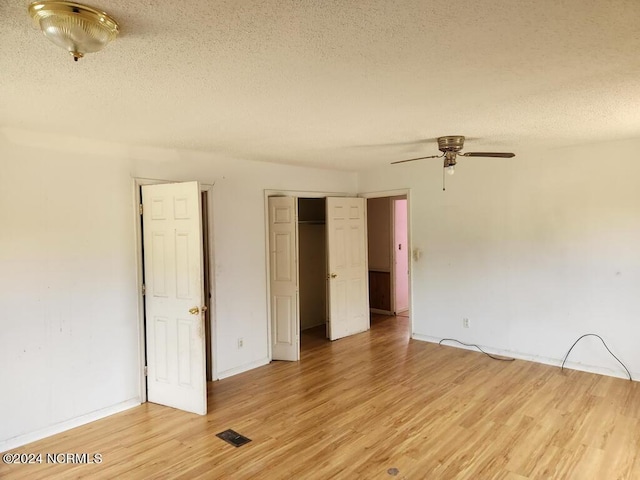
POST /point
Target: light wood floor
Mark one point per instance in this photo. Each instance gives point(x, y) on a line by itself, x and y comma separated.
point(360, 406)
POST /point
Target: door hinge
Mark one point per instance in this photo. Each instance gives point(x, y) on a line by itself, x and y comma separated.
point(144, 289)
point(140, 209)
point(146, 370)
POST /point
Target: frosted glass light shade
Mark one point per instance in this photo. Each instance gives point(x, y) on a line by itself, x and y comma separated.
point(74, 27)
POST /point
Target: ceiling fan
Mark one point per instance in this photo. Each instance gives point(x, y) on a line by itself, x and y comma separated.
point(450, 147)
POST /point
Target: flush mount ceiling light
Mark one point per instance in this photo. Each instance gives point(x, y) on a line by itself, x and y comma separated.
point(76, 28)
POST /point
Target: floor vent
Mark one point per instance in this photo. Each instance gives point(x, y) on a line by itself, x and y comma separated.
point(234, 438)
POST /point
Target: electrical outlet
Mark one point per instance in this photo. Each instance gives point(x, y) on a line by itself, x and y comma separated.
point(465, 322)
point(240, 342)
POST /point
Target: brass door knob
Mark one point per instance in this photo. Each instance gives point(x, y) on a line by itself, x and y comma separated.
point(196, 310)
point(333, 275)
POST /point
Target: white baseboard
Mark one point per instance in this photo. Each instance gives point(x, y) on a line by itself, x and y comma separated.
point(244, 368)
point(23, 439)
point(556, 362)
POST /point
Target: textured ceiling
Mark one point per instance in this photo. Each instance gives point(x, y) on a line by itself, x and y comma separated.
point(339, 84)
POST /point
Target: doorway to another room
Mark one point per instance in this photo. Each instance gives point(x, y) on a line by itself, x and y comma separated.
point(389, 254)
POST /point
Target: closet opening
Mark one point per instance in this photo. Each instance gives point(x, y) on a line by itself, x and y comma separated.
point(312, 258)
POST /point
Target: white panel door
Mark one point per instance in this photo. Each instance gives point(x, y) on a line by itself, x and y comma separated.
point(348, 292)
point(173, 272)
point(401, 256)
point(283, 250)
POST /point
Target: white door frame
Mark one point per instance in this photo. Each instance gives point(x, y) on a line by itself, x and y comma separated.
point(284, 193)
point(137, 183)
point(397, 193)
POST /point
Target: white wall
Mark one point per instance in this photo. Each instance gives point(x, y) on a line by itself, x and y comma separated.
point(69, 341)
point(535, 251)
point(69, 332)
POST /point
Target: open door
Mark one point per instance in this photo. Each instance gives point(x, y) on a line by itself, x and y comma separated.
point(400, 256)
point(174, 296)
point(348, 292)
point(283, 250)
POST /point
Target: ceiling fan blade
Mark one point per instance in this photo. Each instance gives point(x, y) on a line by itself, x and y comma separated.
point(488, 154)
point(413, 159)
point(409, 143)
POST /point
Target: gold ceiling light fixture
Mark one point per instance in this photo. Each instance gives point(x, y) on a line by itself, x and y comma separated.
point(76, 28)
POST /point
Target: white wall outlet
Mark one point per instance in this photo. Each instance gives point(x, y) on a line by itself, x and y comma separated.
point(240, 342)
point(465, 322)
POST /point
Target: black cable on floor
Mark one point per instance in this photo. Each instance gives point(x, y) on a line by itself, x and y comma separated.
point(502, 359)
point(605, 346)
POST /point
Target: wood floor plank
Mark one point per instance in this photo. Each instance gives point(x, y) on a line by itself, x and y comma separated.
point(375, 405)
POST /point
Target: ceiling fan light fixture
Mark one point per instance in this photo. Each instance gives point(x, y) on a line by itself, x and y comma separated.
point(450, 162)
point(76, 28)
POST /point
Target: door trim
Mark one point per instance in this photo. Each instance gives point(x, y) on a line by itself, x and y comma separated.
point(137, 200)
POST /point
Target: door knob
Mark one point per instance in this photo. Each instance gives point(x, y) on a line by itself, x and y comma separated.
point(196, 310)
point(333, 275)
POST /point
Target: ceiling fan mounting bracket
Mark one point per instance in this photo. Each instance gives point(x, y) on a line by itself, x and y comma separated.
point(451, 143)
